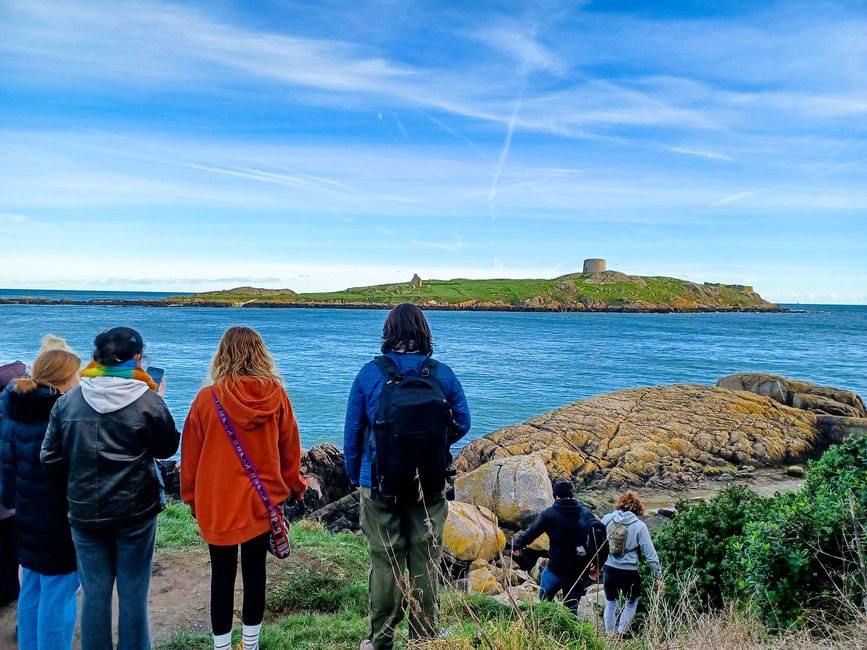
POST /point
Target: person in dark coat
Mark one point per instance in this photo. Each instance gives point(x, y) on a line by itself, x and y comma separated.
point(574, 553)
point(8, 552)
point(47, 602)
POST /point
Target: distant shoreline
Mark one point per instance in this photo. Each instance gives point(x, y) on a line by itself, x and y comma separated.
point(264, 304)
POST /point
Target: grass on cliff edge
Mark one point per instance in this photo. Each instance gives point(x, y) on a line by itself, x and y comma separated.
point(318, 599)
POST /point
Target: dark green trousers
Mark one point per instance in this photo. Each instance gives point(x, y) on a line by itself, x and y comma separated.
point(404, 542)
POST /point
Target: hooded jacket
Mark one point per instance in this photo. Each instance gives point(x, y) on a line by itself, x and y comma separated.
point(637, 539)
point(106, 434)
point(37, 494)
point(359, 446)
point(213, 481)
point(567, 524)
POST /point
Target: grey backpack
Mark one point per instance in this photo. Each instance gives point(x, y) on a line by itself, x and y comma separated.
point(617, 535)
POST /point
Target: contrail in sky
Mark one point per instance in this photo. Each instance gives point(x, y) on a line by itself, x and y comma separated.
point(504, 154)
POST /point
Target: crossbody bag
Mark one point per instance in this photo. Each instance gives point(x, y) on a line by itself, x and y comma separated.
point(278, 540)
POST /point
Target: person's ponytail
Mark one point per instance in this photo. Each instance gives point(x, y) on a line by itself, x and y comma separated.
point(23, 385)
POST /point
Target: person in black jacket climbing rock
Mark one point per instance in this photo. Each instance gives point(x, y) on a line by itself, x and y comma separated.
point(574, 553)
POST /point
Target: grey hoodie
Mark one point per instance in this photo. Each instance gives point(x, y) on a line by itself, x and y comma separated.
point(638, 538)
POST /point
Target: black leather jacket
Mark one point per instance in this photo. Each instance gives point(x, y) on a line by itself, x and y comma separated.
point(112, 479)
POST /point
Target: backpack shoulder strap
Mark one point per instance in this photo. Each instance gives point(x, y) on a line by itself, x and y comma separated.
point(387, 366)
point(429, 368)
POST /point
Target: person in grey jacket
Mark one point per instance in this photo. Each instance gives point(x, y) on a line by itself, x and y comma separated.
point(621, 569)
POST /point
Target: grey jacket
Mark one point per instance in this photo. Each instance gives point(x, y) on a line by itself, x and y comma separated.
point(106, 434)
point(637, 539)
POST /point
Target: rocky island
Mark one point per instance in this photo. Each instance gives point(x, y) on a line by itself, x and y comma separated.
point(595, 289)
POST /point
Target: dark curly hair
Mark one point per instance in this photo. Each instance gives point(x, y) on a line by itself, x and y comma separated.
point(406, 328)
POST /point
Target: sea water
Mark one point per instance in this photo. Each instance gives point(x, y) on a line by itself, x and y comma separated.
point(512, 365)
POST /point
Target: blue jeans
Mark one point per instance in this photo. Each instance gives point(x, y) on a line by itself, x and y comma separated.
point(122, 554)
point(46, 611)
point(572, 588)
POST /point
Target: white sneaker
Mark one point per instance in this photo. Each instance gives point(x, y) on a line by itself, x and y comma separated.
point(367, 644)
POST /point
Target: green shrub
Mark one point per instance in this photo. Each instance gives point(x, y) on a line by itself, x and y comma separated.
point(798, 553)
point(696, 545)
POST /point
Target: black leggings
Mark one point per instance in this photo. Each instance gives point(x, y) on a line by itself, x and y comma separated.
point(224, 567)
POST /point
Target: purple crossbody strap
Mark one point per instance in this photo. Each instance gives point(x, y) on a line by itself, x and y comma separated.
point(242, 456)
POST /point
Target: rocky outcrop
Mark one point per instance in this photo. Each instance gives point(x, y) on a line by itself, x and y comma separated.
point(516, 489)
point(341, 515)
point(472, 533)
point(659, 436)
point(836, 428)
point(326, 463)
point(821, 400)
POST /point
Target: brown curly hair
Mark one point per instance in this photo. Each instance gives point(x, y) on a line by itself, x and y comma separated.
point(630, 501)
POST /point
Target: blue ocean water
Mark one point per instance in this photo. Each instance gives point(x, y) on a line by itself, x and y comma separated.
point(512, 365)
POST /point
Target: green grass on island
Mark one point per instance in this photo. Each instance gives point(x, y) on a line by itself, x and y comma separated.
point(575, 292)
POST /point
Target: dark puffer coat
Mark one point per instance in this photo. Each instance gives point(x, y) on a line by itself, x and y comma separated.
point(37, 494)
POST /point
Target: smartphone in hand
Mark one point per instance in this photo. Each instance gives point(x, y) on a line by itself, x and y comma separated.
point(158, 375)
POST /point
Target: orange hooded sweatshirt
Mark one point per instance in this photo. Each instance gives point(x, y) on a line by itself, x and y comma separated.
point(214, 483)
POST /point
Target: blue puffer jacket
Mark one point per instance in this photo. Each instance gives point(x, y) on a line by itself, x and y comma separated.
point(358, 443)
point(37, 494)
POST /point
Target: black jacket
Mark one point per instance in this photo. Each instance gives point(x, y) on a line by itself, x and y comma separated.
point(568, 525)
point(108, 455)
point(37, 494)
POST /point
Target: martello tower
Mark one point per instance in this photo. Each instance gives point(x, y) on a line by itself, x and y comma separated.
point(594, 265)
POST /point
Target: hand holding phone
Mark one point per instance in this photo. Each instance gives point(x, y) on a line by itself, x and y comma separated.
point(159, 377)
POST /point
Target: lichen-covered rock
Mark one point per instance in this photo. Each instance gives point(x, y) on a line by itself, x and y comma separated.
point(836, 428)
point(483, 581)
point(822, 400)
point(516, 489)
point(518, 595)
point(472, 533)
point(536, 571)
point(541, 543)
point(663, 436)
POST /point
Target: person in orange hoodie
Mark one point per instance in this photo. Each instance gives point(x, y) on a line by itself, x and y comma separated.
point(229, 511)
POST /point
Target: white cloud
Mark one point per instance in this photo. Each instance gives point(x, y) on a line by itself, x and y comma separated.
point(6, 217)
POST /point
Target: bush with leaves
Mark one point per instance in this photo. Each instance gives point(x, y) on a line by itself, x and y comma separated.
point(805, 550)
point(696, 545)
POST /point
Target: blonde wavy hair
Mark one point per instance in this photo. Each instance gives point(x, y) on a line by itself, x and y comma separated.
point(242, 353)
point(629, 501)
point(52, 368)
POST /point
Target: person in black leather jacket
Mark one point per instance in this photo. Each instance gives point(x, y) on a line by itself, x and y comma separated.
point(106, 435)
point(574, 554)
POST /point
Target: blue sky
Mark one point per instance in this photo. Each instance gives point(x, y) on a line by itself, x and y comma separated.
point(197, 145)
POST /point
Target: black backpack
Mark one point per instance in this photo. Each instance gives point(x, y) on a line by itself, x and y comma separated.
point(411, 431)
point(592, 547)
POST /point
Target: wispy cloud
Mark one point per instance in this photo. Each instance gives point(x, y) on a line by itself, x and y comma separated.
point(6, 217)
point(732, 198)
point(456, 245)
point(701, 153)
point(521, 44)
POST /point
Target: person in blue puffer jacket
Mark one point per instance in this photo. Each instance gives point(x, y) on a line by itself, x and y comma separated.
point(47, 602)
point(401, 536)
